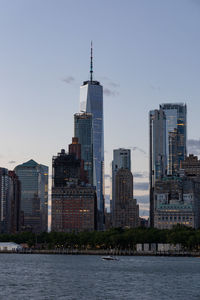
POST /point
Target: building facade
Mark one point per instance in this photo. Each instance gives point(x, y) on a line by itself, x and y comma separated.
point(126, 210)
point(34, 195)
point(74, 203)
point(167, 145)
point(121, 159)
point(73, 208)
point(10, 193)
point(191, 166)
point(177, 201)
point(176, 129)
point(83, 131)
point(91, 101)
point(157, 152)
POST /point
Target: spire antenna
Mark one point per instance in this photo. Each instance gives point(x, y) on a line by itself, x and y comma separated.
point(91, 63)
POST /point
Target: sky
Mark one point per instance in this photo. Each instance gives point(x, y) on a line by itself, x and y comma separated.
point(146, 52)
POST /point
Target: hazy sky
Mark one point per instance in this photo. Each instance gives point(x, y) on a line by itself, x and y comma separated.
point(146, 52)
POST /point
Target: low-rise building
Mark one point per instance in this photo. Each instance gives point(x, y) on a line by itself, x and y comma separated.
point(74, 209)
point(9, 246)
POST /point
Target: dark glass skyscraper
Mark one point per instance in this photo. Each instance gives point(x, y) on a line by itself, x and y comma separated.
point(9, 202)
point(83, 131)
point(91, 101)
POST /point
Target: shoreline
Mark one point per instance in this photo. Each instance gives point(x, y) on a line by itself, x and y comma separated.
point(112, 252)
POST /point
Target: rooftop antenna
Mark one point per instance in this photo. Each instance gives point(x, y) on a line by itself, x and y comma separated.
point(91, 64)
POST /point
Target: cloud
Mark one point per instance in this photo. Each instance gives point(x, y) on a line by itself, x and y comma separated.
point(110, 82)
point(68, 79)
point(110, 93)
point(144, 213)
point(140, 174)
point(12, 162)
point(138, 149)
point(194, 146)
point(142, 186)
point(155, 88)
point(142, 199)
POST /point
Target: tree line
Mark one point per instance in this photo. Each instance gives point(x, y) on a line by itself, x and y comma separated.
point(113, 238)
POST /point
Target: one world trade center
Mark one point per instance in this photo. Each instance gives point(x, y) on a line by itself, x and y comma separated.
point(91, 101)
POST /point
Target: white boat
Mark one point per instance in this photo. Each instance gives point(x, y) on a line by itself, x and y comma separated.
point(109, 258)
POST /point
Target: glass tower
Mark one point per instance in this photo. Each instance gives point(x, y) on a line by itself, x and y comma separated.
point(34, 195)
point(176, 135)
point(83, 131)
point(91, 101)
point(167, 143)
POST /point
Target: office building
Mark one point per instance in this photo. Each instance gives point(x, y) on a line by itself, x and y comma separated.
point(74, 205)
point(157, 152)
point(9, 202)
point(34, 195)
point(177, 201)
point(126, 210)
point(167, 144)
point(91, 101)
point(83, 131)
point(176, 130)
point(191, 166)
point(121, 159)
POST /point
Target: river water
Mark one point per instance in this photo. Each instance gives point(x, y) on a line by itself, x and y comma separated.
point(24, 276)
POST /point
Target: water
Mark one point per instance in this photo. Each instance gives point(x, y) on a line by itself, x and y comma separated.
point(89, 277)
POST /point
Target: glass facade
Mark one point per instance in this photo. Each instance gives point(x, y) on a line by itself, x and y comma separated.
point(9, 202)
point(167, 132)
point(34, 195)
point(91, 101)
point(83, 131)
point(176, 136)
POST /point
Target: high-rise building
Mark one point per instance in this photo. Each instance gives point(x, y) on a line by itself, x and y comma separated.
point(167, 144)
point(9, 202)
point(157, 150)
point(126, 210)
point(121, 159)
point(73, 199)
point(34, 195)
point(176, 131)
point(91, 101)
point(83, 131)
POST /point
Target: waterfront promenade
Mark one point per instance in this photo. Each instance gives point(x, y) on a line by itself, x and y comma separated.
point(102, 252)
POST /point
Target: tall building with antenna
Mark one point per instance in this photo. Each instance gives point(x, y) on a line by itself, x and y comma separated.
point(91, 101)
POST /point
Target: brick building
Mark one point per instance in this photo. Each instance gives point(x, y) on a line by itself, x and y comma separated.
point(74, 203)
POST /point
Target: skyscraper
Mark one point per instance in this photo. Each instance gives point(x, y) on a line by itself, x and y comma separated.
point(121, 159)
point(176, 135)
point(9, 202)
point(83, 131)
point(157, 152)
point(167, 143)
point(91, 101)
point(34, 195)
point(126, 210)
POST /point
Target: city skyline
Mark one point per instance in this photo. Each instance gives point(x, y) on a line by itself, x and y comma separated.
point(44, 64)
